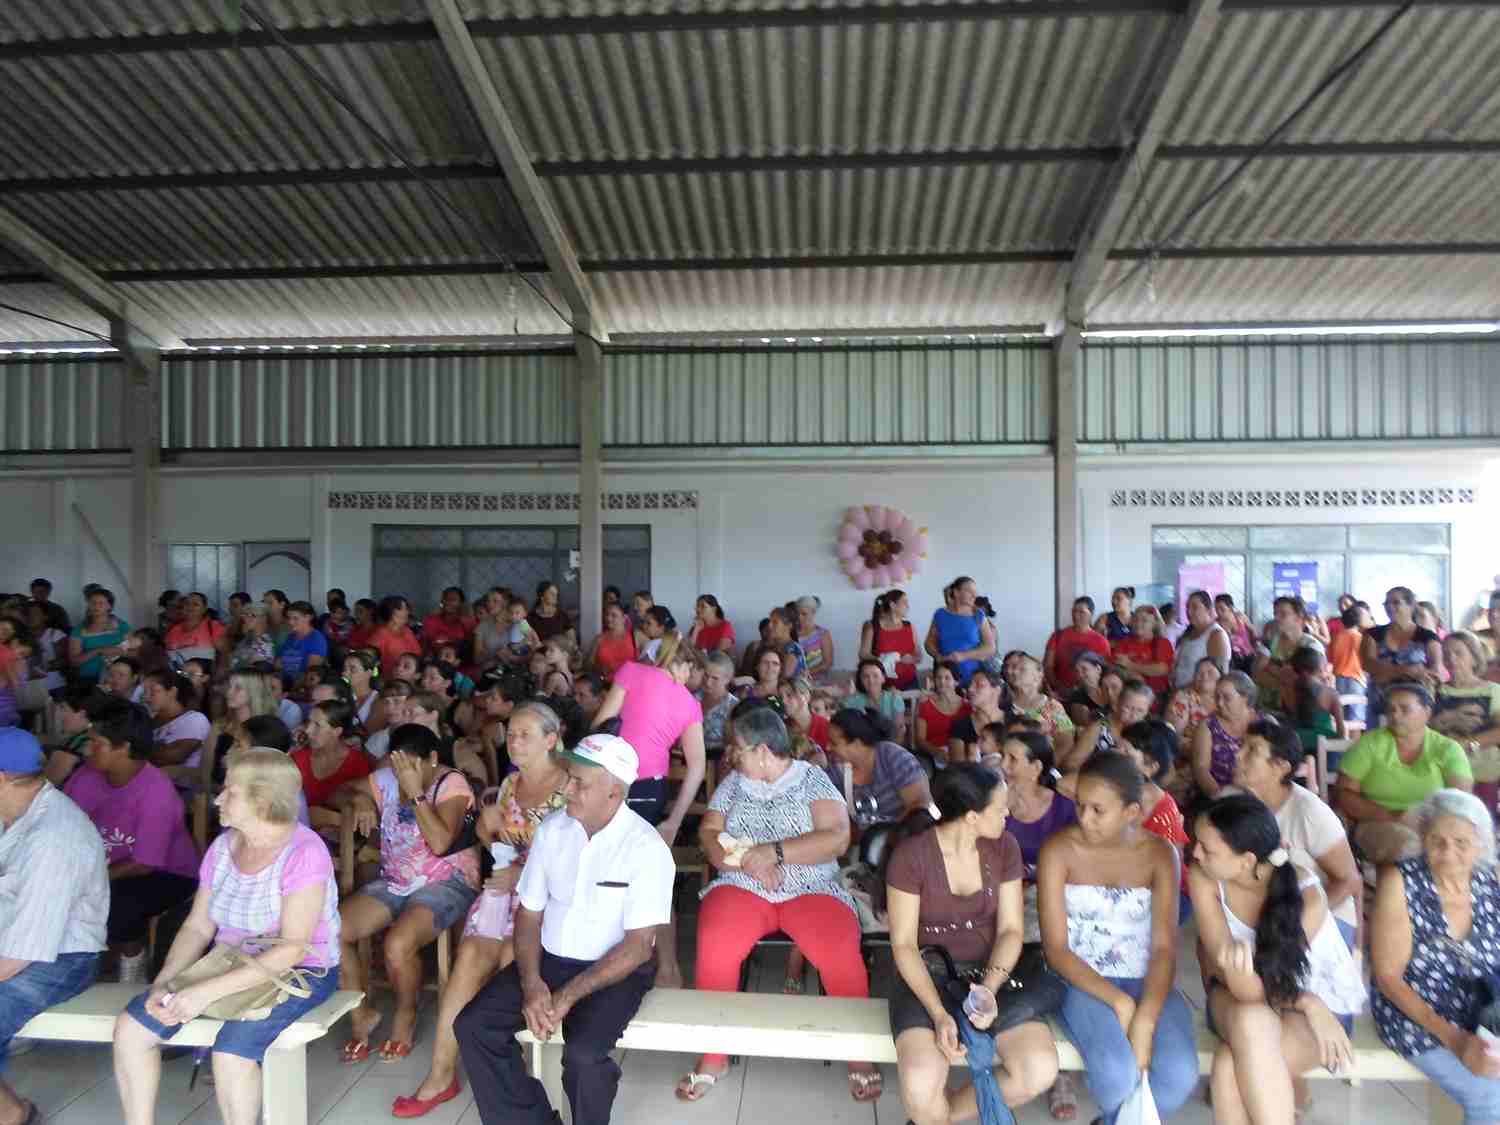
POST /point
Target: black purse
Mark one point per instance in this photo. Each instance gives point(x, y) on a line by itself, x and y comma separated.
point(1031, 992)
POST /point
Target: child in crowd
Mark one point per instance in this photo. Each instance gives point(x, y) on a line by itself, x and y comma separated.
point(408, 668)
point(447, 653)
point(1153, 746)
point(824, 703)
point(522, 638)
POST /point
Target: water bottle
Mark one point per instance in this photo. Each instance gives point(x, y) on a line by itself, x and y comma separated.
point(492, 918)
point(980, 1002)
point(503, 854)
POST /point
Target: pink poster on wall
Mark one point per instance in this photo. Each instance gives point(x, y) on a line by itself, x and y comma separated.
point(1198, 576)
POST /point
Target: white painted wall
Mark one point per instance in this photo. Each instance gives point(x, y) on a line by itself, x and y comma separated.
point(1116, 542)
point(764, 533)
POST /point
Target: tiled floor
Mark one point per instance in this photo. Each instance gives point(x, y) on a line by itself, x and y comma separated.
point(73, 1085)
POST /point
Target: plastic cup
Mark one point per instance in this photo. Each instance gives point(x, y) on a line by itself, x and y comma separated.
point(980, 1002)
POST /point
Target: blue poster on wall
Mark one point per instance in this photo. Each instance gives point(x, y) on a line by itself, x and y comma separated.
point(1296, 580)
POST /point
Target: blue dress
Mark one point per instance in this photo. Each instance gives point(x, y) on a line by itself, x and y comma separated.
point(956, 633)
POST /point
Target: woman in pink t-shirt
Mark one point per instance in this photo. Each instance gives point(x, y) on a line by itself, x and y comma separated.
point(266, 877)
point(656, 711)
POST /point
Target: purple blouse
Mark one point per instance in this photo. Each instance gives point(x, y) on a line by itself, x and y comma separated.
point(1060, 813)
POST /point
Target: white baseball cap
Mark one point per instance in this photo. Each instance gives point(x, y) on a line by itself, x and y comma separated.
point(609, 751)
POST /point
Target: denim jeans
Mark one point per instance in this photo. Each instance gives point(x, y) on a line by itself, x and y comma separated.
point(1347, 685)
point(1479, 1097)
point(1109, 1060)
point(38, 987)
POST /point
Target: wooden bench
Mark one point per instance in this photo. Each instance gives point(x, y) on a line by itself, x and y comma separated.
point(90, 1018)
point(765, 1025)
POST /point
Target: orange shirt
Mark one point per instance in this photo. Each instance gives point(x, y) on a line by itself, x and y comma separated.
point(1343, 655)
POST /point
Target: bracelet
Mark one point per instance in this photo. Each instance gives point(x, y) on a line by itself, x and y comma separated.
point(780, 854)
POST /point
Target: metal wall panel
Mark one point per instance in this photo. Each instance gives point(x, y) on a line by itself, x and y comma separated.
point(1275, 389)
point(368, 400)
point(934, 395)
point(62, 404)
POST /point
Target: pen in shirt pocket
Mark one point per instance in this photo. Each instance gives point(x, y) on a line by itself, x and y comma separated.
point(607, 883)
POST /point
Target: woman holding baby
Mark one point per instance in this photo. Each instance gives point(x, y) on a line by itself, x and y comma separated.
point(774, 831)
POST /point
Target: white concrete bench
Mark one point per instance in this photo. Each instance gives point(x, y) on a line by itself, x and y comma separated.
point(90, 1018)
point(764, 1025)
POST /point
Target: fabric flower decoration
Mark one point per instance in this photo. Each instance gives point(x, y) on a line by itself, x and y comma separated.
point(879, 546)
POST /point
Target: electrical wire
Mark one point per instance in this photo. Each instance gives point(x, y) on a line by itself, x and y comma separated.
point(252, 9)
point(1331, 79)
point(54, 320)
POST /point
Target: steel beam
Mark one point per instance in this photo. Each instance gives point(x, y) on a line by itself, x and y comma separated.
point(590, 373)
point(1169, 88)
point(1066, 360)
point(58, 266)
point(143, 424)
point(505, 143)
point(651, 23)
point(732, 165)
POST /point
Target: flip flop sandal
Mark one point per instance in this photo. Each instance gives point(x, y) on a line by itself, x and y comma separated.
point(355, 1051)
point(693, 1081)
point(391, 1051)
point(862, 1082)
point(1062, 1099)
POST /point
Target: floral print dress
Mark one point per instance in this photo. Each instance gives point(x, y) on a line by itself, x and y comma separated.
point(518, 828)
point(1109, 928)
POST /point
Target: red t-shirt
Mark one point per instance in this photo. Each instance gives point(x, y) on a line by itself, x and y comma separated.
point(710, 637)
point(361, 635)
point(939, 725)
point(902, 641)
point(356, 764)
point(438, 630)
point(205, 636)
point(1066, 644)
point(817, 730)
point(1166, 821)
point(392, 647)
point(1157, 650)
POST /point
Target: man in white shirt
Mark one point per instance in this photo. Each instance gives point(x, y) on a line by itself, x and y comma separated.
point(597, 883)
point(54, 899)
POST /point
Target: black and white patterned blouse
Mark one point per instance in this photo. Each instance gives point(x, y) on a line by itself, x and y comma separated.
point(1441, 970)
point(780, 811)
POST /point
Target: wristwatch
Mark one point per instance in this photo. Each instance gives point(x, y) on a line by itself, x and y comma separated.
point(780, 854)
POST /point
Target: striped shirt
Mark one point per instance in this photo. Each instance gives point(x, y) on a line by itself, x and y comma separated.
point(54, 882)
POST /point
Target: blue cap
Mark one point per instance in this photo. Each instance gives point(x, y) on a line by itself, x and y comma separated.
point(20, 752)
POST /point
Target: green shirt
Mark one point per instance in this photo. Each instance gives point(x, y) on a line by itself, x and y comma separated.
point(1384, 778)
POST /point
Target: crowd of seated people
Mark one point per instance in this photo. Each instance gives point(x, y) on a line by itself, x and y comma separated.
point(1045, 822)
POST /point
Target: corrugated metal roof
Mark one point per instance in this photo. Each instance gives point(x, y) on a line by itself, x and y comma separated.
point(1432, 77)
point(229, 110)
point(49, 300)
point(918, 87)
point(315, 224)
point(805, 300)
point(55, 19)
point(910, 210)
point(334, 307)
point(1341, 200)
point(1281, 290)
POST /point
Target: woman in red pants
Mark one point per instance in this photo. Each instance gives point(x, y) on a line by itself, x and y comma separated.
point(779, 872)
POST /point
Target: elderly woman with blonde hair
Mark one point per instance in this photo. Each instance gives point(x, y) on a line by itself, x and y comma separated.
point(266, 893)
point(1435, 934)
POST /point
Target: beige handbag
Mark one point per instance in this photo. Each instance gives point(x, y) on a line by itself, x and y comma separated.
point(255, 1002)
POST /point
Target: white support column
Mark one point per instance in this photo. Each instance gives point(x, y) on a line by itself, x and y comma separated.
point(1066, 355)
point(590, 368)
point(148, 572)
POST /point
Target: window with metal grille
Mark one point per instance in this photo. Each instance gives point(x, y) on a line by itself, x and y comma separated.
point(212, 569)
point(420, 562)
point(1362, 559)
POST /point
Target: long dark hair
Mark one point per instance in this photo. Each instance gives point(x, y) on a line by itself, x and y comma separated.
point(963, 787)
point(1038, 749)
point(1119, 771)
point(1280, 941)
point(883, 604)
point(1307, 662)
point(861, 726)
